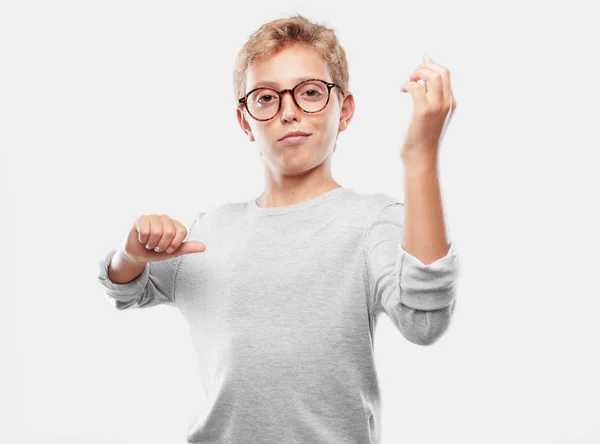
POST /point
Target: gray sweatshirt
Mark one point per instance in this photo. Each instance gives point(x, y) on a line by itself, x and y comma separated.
point(282, 308)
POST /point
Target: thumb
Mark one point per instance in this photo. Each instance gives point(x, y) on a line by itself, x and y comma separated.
point(190, 247)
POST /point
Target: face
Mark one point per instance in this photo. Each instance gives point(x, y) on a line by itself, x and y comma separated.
point(286, 69)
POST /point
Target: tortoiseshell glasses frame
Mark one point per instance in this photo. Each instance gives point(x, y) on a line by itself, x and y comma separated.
point(243, 101)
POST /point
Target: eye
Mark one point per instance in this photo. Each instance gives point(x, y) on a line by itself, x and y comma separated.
point(265, 101)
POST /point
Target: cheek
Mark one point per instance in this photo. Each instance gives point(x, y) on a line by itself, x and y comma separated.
point(328, 125)
point(330, 128)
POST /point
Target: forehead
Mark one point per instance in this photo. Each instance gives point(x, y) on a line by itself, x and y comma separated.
point(287, 68)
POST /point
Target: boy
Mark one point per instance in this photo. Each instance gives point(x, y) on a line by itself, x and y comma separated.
point(283, 299)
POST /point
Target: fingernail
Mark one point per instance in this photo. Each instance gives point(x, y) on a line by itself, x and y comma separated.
point(170, 250)
point(157, 249)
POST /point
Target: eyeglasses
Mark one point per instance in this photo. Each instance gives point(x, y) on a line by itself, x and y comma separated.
point(311, 96)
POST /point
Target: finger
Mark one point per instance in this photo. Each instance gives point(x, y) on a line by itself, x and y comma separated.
point(168, 233)
point(445, 73)
point(155, 233)
point(179, 237)
point(142, 226)
point(433, 84)
point(417, 92)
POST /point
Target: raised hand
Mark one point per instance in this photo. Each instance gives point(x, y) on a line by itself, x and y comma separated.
point(434, 105)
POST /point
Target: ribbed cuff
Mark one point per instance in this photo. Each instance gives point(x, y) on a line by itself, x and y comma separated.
point(431, 286)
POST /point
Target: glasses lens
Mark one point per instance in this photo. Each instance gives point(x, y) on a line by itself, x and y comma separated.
point(263, 103)
point(311, 96)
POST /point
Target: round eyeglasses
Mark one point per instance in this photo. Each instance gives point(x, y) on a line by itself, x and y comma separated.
point(311, 96)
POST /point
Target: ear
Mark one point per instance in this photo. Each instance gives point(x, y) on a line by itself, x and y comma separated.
point(347, 111)
point(241, 118)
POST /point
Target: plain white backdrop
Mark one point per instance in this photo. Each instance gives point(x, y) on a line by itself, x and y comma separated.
point(114, 109)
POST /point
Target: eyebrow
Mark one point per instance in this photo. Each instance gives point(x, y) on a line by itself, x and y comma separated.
point(276, 85)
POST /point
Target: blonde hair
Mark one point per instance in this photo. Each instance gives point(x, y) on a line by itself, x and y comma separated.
point(278, 34)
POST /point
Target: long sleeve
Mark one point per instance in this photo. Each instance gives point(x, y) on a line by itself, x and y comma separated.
point(154, 286)
point(419, 299)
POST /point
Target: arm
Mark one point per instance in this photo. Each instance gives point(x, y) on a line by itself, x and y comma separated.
point(153, 286)
point(424, 233)
point(419, 298)
point(417, 289)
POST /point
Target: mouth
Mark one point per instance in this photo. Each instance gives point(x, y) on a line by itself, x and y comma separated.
point(294, 140)
point(294, 134)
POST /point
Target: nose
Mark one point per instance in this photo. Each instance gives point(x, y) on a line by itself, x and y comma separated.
point(289, 110)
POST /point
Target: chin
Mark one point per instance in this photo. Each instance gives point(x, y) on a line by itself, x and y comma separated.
point(300, 162)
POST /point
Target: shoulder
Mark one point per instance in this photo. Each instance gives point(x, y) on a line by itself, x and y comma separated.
point(373, 205)
point(218, 216)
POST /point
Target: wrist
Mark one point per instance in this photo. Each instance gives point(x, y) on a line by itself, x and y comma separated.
point(129, 260)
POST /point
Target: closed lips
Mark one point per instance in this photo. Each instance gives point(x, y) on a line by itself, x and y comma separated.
point(295, 133)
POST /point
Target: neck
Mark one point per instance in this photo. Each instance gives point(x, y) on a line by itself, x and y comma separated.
point(283, 194)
